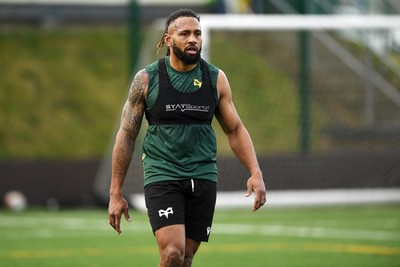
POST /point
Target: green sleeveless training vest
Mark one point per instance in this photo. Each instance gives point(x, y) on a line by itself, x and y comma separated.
point(180, 142)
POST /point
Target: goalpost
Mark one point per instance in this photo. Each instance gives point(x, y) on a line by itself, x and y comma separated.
point(320, 96)
point(293, 22)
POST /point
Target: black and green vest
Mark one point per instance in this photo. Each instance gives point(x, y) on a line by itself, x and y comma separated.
point(180, 142)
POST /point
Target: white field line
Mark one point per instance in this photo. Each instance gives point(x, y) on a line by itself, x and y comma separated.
point(21, 227)
point(47, 228)
point(306, 232)
point(295, 198)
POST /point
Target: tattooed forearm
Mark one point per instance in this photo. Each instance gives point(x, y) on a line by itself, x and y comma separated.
point(132, 113)
point(131, 120)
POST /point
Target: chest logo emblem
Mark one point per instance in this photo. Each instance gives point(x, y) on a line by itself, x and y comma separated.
point(197, 83)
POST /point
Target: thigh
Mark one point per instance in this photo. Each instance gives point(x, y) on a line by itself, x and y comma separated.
point(171, 237)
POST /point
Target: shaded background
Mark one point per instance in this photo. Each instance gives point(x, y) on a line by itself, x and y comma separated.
point(316, 122)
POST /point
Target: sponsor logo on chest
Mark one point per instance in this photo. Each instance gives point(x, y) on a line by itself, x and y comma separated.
point(186, 107)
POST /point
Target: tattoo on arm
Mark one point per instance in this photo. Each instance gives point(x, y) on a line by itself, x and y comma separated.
point(133, 111)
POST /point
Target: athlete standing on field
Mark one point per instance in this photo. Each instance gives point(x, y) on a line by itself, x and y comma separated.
point(179, 95)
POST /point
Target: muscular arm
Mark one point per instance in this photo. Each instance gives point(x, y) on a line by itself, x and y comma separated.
point(239, 140)
point(131, 120)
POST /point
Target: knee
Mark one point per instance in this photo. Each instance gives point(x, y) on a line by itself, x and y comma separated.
point(188, 260)
point(172, 256)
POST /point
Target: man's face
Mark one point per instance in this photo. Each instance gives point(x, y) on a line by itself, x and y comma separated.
point(184, 36)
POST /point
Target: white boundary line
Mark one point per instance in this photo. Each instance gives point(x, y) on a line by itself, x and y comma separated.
point(73, 227)
point(279, 198)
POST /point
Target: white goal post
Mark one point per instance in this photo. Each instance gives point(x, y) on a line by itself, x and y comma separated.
point(293, 22)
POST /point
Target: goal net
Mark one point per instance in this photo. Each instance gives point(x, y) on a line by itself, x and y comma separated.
point(320, 96)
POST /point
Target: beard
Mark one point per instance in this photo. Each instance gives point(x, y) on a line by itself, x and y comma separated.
point(184, 57)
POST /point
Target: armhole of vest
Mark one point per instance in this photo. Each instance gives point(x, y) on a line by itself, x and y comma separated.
point(214, 88)
point(161, 66)
point(151, 80)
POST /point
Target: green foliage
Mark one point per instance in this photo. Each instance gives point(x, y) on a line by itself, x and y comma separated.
point(265, 97)
point(61, 90)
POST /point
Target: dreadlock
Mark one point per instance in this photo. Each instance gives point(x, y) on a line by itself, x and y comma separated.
point(171, 18)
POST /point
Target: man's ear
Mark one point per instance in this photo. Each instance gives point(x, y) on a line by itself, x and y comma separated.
point(167, 40)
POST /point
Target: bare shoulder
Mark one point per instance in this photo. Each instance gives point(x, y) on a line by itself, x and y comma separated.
point(142, 75)
point(221, 75)
point(223, 86)
point(140, 82)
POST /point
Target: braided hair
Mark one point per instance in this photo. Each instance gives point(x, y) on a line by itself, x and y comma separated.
point(171, 18)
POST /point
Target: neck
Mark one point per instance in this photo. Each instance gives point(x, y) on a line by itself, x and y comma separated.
point(178, 65)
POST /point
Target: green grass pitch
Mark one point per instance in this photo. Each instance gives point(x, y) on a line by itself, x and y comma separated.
point(359, 235)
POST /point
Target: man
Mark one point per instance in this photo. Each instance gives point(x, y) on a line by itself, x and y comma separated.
point(179, 95)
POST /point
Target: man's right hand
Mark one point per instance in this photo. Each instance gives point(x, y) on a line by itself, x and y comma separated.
point(116, 207)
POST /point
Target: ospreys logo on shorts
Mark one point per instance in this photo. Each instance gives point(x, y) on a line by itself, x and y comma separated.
point(165, 212)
